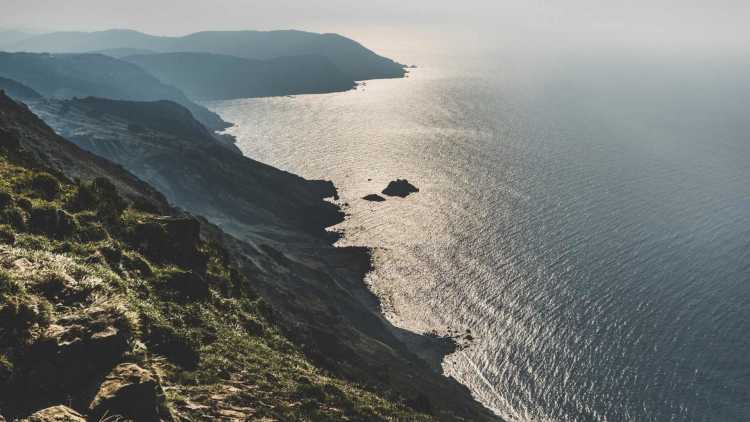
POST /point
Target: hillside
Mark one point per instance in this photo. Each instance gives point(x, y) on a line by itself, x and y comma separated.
point(82, 75)
point(274, 223)
point(205, 76)
point(112, 308)
point(353, 59)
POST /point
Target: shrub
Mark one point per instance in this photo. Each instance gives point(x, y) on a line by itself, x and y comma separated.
point(14, 217)
point(7, 235)
point(110, 205)
point(46, 186)
point(53, 222)
point(24, 204)
point(101, 196)
point(6, 200)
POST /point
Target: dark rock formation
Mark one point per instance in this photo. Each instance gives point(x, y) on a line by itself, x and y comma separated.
point(373, 197)
point(131, 392)
point(58, 413)
point(400, 187)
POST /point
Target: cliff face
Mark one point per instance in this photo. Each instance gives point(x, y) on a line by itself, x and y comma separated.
point(272, 225)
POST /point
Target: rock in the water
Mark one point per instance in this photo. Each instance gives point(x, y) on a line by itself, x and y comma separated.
point(131, 392)
point(400, 188)
point(374, 198)
point(56, 414)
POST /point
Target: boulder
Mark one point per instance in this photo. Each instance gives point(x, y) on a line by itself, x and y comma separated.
point(62, 366)
point(58, 413)
point(400, 187)
point(373, 197)
point(131, 392)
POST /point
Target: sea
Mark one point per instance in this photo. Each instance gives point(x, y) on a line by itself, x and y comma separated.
point(585, 214)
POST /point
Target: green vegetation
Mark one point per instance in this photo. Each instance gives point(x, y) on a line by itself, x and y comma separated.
point(89, 281)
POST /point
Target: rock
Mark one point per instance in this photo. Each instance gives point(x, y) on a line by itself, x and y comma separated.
point(131, 392)
point(56, 414)
point(400, 187)
point(373, 197)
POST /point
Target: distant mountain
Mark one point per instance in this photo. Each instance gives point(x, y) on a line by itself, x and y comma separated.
point(18, 90)
point(11, 37)
point(356, 61)
point(83, 75)
point(84, 42)
point(119, 53)
point(207, 76)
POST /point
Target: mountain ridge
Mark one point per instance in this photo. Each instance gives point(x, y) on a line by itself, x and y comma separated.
point(358, 62)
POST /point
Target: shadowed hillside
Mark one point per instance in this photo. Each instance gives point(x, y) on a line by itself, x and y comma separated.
point(81, 75)
point(219, 77)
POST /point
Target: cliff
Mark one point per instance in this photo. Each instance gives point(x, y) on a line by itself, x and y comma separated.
point(258, 316)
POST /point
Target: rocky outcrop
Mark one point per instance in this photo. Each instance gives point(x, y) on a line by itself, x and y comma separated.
point(400, 187)
point(57, 413)
point(373, 197)
point(130, 392)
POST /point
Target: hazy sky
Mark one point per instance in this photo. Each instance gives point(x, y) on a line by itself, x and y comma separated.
point(649, 22)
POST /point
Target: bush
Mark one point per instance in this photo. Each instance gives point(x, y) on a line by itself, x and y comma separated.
point(14, 217)
point(46, 186)
point(6, 200)
point(110, 205)
point(7, 235)
point(101, 196)
point(53, 222)
point(24, 204)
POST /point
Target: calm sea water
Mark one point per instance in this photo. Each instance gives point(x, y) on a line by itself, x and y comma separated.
point(588, 218)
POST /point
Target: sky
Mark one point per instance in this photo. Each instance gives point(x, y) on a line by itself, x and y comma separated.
point(648, 23)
